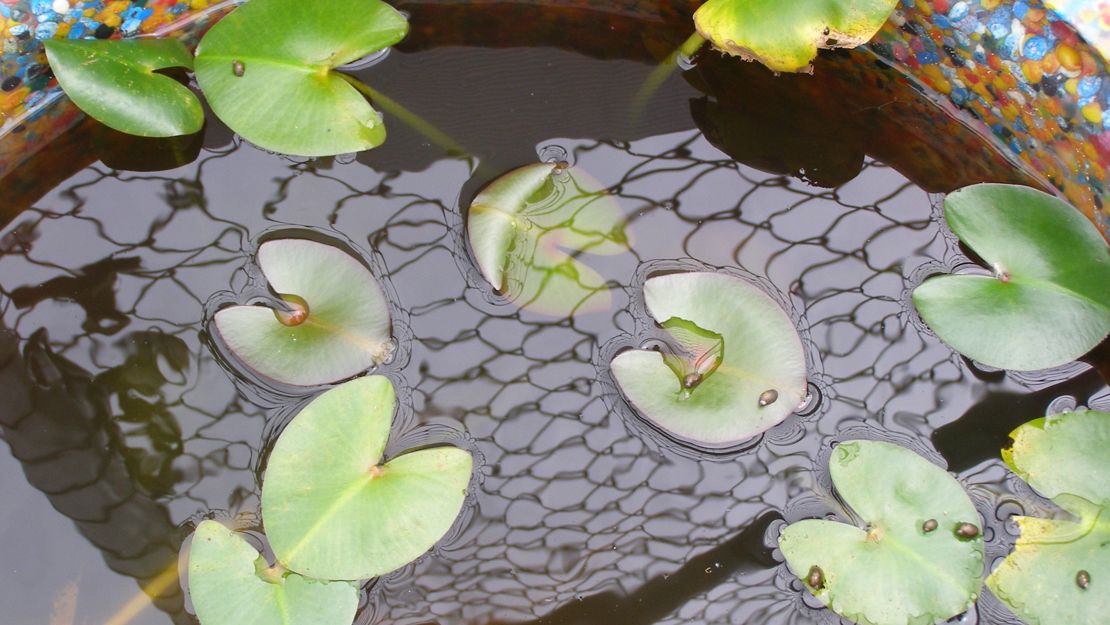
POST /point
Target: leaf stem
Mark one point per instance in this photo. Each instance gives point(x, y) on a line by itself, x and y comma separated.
point(407, 117)
point(143, 598)
point(661, 73)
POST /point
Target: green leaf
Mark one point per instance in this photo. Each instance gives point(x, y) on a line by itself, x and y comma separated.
point(116, 83)
point(333, 511)
point(267, 72)
point(231, 584)
point(694, 353)
point(1048, 302)
point(741, 345)
point(527, 229)
point(339, 325)
point(785, 36)
point(907, 562)
point(1059, 571)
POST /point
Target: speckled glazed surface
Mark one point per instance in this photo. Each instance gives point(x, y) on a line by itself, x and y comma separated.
point(1025, 71)
point(1031, 74)
point(33, 110)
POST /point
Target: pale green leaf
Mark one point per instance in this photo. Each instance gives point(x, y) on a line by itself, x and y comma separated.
point(332, 510)
point(742, 345)
point(231, 584)
point(906, 562)
point(527, 229)
point(346, 329)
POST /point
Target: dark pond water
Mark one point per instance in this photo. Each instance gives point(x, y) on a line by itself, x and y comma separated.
point(123, 428)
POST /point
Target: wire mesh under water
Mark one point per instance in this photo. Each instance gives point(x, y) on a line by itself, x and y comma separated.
point(576, 516)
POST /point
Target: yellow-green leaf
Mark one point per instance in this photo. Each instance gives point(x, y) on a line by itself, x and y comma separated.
point(785, 35)
point(1059, 572)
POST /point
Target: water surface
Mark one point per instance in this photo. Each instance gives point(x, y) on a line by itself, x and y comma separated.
point(123, 428)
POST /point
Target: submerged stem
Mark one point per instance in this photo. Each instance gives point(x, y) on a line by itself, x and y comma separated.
point(661, 73)
point(407, 117)
point(155, 588)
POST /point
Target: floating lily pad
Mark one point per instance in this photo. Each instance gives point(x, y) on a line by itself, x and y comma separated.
point(337, 324)
point(527, 229)
point(1059, 572)
point(917, 556)
point(333, 511)
point(267, 71)
point(116, 83)
point(785, 36)
point(231, 584)
point(734, 366)
point(1048, 301)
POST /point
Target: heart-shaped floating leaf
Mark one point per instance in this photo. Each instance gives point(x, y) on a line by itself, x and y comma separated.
point(1048, 302)
point(917, 560)
point(527, 228)
point(333, 511)
point(231, 584)
point(115, 82)
point(1059, 572)
point(267, 72)
point(338, 325)
point(785, 36)
point(734, 366)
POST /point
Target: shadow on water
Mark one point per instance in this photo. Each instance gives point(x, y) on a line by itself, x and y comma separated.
point(1099, 358)
point(92, 288)
point(56, 420)
point(661, 596)
point(980, 432)
point(820, 127)
point(84, 145)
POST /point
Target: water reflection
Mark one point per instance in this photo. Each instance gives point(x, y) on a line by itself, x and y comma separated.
point(83, 145)
point(528, 241)
point(573, 505)
point(147, 434)
point(58, 423)
point(661, 596)
point(92, 288)
point(820, 128)
point(984, 430)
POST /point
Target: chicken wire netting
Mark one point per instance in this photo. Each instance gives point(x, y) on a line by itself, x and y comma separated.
point(124, 416)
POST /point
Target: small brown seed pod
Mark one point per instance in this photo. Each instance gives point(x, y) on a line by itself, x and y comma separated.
point(816, 578)
point(967, 531)
point(768, 397)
